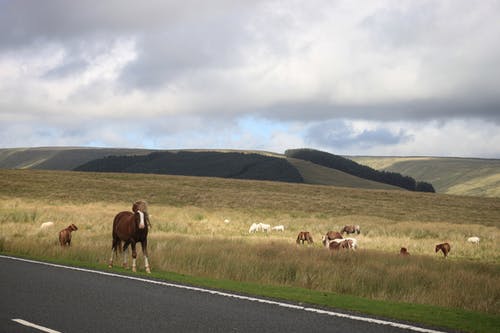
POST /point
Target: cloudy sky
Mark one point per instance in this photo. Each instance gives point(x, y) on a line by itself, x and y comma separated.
point(348, 77)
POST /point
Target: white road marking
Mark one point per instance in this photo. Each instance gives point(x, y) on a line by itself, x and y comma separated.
point(38, 327)
point(247, 298)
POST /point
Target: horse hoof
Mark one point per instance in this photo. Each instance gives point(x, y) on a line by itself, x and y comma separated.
point(148, 270)
point(134, 269)
point(110, 266)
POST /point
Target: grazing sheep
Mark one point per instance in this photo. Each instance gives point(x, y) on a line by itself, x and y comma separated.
point(253, 228)
point(65, 235)
point(473, 240)
point(444, 247)
point(404, 252)
point(278, 228)
point(46, 225)
point(265, 227)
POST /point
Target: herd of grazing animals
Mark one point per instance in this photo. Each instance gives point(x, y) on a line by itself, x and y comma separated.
point(130, 228)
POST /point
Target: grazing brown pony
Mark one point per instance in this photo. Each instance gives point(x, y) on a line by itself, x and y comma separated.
point(304, 236)
point(65, 235)
point(131, 228)
point(343, 244)
point(444, 247)
point(330, 235)
point(404, 251)
point(350, 229)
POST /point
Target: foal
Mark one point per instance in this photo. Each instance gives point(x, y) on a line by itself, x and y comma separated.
point(65, 235)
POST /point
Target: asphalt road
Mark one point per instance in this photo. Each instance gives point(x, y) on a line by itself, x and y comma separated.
point(68, 300)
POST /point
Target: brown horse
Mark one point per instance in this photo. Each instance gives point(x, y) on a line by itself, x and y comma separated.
point(330, 235)
point(444, 247)
point(404, 251)
point(351, 229)
point(304, 236)
point(65, 235)
point(131, 228)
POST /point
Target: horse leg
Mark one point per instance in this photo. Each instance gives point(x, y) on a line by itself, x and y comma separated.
point(134, 257)
point(144, 246)
point(125, 254)
point(113, 252)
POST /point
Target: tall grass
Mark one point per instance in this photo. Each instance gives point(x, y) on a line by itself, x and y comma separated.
point(189, 235)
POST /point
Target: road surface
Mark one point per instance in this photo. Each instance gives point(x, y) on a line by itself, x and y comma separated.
point(63, 299)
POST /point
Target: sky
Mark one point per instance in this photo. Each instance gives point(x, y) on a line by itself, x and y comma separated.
point(384, 78)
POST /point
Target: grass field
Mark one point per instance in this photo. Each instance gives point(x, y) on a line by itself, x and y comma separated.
point(189, 237)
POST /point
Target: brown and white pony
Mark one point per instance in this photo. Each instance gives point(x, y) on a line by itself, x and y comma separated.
point(339, 244)
point(304, 236)
point(65, 235)
point(131, 228)
point(444, 247)
point(350, 229)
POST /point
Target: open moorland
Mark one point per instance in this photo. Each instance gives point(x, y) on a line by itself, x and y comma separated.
point(200, 228)
point(460, 176)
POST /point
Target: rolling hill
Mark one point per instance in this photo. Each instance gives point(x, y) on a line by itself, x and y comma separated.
point(258, 165)
point(58, 158)
point(458, 176)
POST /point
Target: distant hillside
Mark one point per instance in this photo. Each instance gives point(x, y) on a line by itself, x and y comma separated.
point(460, 176)
point(346, 165)
point(57, 158)
point(219, 163)
point(208, 164)
point(319, 175)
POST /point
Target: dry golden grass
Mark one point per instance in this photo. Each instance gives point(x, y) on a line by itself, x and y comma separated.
point(189, 235)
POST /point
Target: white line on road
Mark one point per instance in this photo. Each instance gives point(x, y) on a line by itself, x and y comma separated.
point(38, 327)
point(247, 298)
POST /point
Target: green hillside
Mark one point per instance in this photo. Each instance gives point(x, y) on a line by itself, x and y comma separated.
point(351, 167)
point(227, 163)
point(461, 176)
point(320, 175)
point(57, 158)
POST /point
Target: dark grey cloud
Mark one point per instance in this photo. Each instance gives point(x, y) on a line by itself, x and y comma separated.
point(339, 135)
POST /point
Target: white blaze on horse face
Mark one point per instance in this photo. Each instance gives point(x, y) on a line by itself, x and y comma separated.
point(141, 223)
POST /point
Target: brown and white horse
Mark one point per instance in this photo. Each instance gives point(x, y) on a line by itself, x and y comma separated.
point(131, 228)
point(304, 236)
point(339, 244)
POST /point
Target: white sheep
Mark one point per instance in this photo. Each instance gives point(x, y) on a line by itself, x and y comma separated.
point(473, 240)
point(265, 227)
point(253, 228)
point(46, 225)
point(278, 228)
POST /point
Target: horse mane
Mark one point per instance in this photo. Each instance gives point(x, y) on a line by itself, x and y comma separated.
point(142, 205)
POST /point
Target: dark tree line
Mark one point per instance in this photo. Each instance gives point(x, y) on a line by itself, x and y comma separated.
point(206, 164)
point(362, 171)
